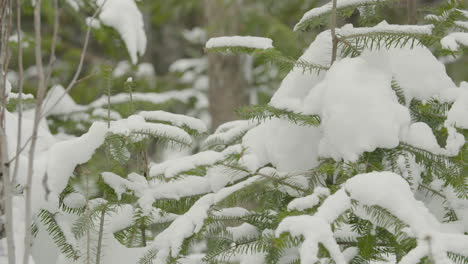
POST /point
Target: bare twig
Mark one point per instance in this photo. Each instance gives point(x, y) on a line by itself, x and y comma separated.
point(41, 90)
point(20, 87)
point(53, 45)
point(100, 235)
point(333, 32)
point(74, 81)
point(5, 25)
point(80, 64)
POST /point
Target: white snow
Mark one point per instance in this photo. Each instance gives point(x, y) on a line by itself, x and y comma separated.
point(231, 212)
point(145, 70)
point(229, 132)
point(389, 191)
point(288, 146)
point(155, 98)
point(12, 95)
point(93, 22)
point(457, 115)
point(137, 126)
point(75, 200)
point(359, 110)
point(101, 112)
point(308, 201)
point(420, 135)
point(65, 155)
point(240, 41)
point(416, 70)
point(66, 105)
point(297, 84)
point(122, 68)
point(182, 65)
point(383, 27)
point(316, 12)
point(453, 40)
point(462, 24)
point(314, 230)
point(245, 230)
point(174, 167)
point(168, 242)
point(75, 4)
point(175, 119)
point(125, 17)
point(195, 35)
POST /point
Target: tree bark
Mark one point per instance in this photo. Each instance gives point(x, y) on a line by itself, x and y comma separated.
point(227, 81)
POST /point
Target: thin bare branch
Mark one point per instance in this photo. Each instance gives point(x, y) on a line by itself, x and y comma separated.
point(80, 64)
point(5, 27)
point(41, 91)
point(53, 45)
point(333, 32)
point(20, 87)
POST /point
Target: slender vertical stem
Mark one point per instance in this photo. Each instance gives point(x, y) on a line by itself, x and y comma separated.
point(41, 90)
point(143, 235)
point(101, 233)
point(5, 24)
point(7, 198)
point(20, 86)
point(103, 213)
point(50, 69)
point(53, 45)
point(333, 32)
point(88, 234)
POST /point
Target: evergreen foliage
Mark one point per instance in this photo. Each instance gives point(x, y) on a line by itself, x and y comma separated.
point(220, 210)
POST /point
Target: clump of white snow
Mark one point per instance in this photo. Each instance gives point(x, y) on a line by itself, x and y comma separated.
point(175, 119)
point(453, 40)
point(125, 17)
point(240, 41)
point(359, 110)
point(326, 8)
point(288, 146)
point(75, 200)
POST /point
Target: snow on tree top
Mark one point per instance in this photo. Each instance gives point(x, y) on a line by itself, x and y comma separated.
point(154, 98)
point(178, 120)
point(240, 41)
point(349, 30)
point(316, 12)
point(125, 17)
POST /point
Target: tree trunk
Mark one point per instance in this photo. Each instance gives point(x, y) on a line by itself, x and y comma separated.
point(228, 85)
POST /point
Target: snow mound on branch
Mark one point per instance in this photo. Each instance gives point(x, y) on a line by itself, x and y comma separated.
point(240, 41)
point(172, 168)
point(125, 17)
point(376, 188)
point(415, 69)
point(288, 146)
point(297, 84)
point(178, 120)
point(348, 29)
point(308, 201)
point(65, 155)
point(319, 11)
point(453, 40)
point(59, 102)
point(137, 126)
point(359, 110)
point(315, 230)
point(458, 113)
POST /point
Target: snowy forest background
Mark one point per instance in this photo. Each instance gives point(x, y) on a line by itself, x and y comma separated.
point(334, 131)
